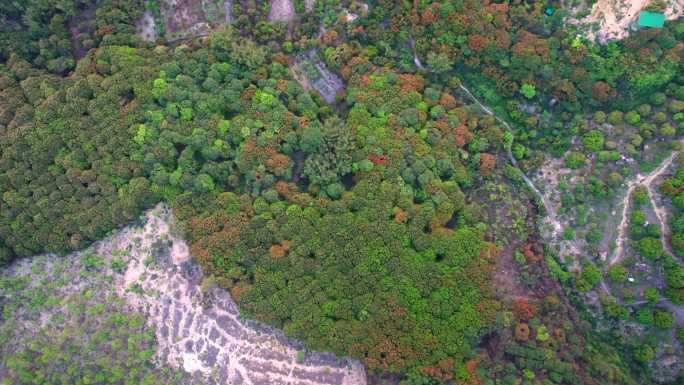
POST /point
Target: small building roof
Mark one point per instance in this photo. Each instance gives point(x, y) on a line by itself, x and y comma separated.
point(651, 19)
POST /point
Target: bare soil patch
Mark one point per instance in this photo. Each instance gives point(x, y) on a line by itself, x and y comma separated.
point(616, 18)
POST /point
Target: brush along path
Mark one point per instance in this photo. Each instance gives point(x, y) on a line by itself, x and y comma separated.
point(551, 216)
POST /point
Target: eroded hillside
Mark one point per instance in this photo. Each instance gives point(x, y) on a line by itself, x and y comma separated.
point(145, 271)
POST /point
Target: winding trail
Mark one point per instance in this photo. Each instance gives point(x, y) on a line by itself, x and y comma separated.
point(640, 180)
point(551, 215)
point(661, 213)
point(416, 60)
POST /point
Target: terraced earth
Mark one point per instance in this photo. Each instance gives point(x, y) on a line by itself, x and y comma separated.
point(197, 326)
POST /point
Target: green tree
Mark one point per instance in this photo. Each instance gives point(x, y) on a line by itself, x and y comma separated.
point(663, 319)
point(649, 247)
point(312, 138)
point(651, 295)
point(618, 274)
point(575, 160)
point(439, 62)
point(528, 90)
point(593, 140)
point(589, 277)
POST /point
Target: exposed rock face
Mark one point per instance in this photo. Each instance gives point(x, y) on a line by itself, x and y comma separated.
point(181, 19)
point(145, 27)
point(200, 331)
point(281, 10)
point(311, 73)
point(309, 5)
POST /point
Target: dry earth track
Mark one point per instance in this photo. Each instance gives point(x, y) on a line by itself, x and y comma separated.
point(661, 213)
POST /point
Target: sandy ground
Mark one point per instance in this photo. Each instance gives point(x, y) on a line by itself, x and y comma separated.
point(198, 330)
point(615, 17)
point(214, 340)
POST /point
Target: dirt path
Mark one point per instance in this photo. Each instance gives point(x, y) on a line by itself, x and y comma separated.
point(551, 216)
point(622, 228)
point(416, 60)
point(661, 213)
point(228, 10)
point(640, 180)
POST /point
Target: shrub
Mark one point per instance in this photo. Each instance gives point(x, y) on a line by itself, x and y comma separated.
point(575, 160)
point(522, 332)
point(649, 247)
point(644, 316)
point(528, 90)
point(663, 319)
point(589, 277)
point(543, 333)
point(593, 140)
point(633, 118)
point(615, 117)
point(651, 295)
point(618, 274)
point(643, 353)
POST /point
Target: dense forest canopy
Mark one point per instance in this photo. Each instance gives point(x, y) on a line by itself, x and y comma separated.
point(370, 227)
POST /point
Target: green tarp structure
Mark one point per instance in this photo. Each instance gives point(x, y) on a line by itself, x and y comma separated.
point(649, 19)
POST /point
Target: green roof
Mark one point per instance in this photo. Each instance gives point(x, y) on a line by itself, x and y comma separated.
point(651, 19)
